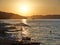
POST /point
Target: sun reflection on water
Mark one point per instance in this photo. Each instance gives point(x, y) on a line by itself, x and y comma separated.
point(24, 21)
point(25, 29)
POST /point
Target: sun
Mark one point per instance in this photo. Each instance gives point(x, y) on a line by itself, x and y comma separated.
point(24, 10)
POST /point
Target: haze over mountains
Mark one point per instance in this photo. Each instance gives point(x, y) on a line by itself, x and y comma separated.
point(46, 17)
point(5, 15)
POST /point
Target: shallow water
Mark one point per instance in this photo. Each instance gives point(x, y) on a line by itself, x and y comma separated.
point(40, 30)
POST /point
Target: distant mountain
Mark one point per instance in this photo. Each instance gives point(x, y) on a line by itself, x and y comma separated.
point(45, 17)
point(5, 15)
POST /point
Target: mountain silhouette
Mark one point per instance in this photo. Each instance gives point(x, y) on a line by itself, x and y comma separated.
point(5, 15)
point(45, 17)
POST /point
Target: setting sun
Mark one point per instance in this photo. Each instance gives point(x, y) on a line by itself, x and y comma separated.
point(24, 10)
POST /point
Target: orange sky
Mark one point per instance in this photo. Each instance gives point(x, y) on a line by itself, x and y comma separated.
point(32, 7)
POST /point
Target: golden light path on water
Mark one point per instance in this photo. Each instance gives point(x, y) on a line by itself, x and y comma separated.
point(25, 31)
point(24, 21)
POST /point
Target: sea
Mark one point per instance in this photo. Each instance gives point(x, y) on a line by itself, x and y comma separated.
point(46, 31)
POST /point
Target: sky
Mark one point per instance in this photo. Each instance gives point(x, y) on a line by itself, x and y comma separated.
point(30, 7)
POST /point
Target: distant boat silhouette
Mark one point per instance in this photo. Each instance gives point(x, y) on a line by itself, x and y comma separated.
point(50, 32)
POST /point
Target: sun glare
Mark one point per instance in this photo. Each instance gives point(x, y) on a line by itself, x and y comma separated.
point(24, 8)
point(24, 21)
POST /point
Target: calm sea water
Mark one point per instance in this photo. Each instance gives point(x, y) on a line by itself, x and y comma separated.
point(40, 30)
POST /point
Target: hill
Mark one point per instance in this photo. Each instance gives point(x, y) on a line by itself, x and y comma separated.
point(5, 15)
point(45, 17)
